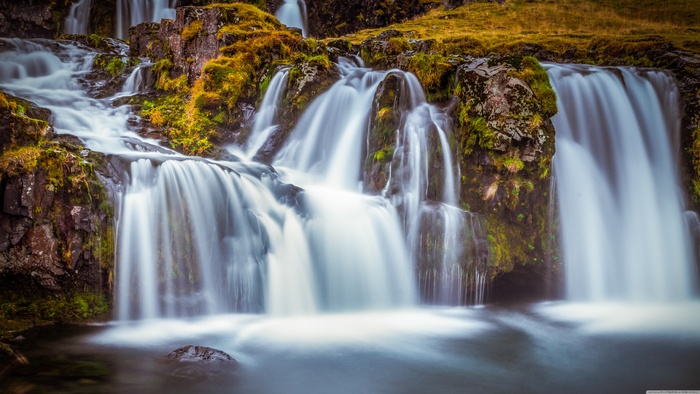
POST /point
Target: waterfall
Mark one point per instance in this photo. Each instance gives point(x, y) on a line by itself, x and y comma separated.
point(132, 12)
point(31, 70)
point(623, 230)
point(265, 122)
point(196, 237)
point(201, 237)
point(328, 144)
point(138, 81)
point(78, 17)
point(293, 14)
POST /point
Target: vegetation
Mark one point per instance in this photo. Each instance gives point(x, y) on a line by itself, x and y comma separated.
point(694, 151)
point(435, 73)
point(72, 181)
point(20, 310)
point(192, 115)
point(595, 29)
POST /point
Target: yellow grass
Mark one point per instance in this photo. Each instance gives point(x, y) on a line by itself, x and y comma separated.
point(558, 25)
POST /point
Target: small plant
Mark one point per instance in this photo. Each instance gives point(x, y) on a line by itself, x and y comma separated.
point(115, 66)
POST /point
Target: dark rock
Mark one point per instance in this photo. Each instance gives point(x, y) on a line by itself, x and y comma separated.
point(189, 52)
point(200, 354)
point(17, 129)
point(30, 19)
point(330, 18)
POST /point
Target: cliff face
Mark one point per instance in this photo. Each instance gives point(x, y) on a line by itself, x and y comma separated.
point(32, 18)
point(331, 19)
point(56, 237)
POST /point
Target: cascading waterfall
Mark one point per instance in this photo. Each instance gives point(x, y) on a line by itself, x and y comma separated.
point(293, 14)
point(335, 159)
point(624, 234)
point(139, 81)
point(265, 122)
point(132, 12)
point(78, 17)
point(31, 70)
point(197, 236)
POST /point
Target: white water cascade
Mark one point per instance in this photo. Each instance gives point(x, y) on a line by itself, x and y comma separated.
point(132, 12)
point(265, 122)
point(139, 81)
point(49, 77)
point(623, 231)
point(78, 17)
point(196, 236)
point(293, 14)
point(328, 143)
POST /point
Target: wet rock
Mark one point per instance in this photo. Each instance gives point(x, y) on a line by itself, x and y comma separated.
point(505, 103)
point(55, 225)
point(18, 129)
point(33, 19)
point(191, 39)
point(200, 354)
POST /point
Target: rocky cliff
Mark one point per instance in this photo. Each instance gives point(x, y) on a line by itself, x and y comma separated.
point(56, 237)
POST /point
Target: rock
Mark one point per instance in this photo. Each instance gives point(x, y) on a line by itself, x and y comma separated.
point(200, 354)
point(330, 18)
point(191, 39)
point(56, 234)
point(32, 19)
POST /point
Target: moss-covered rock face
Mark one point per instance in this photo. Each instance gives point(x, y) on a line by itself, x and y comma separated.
point(505, 142)
point(215, 60)
point(56, 237)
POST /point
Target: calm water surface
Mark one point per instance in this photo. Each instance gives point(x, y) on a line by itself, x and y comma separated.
point(552, 347)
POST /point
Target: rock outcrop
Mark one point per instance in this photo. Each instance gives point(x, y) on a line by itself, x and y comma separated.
point(31, 19)
point(56, 237)
point(329, 18)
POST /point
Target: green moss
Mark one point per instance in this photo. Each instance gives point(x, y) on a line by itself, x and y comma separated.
point(694, 153)
point(398, 45)
point(20, 161)
point(21, 310)
point(510, 163)
point(380, 155)
point(475, 131)
point(191, 31)
point(435, 73)
point(116, 66)
point(535, 76)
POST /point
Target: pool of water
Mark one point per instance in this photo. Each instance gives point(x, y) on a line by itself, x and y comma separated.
point(528, 348)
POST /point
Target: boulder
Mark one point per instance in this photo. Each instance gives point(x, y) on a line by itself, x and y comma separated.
point(200, 354)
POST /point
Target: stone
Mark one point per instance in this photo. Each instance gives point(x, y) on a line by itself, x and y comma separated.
point(200, 354)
